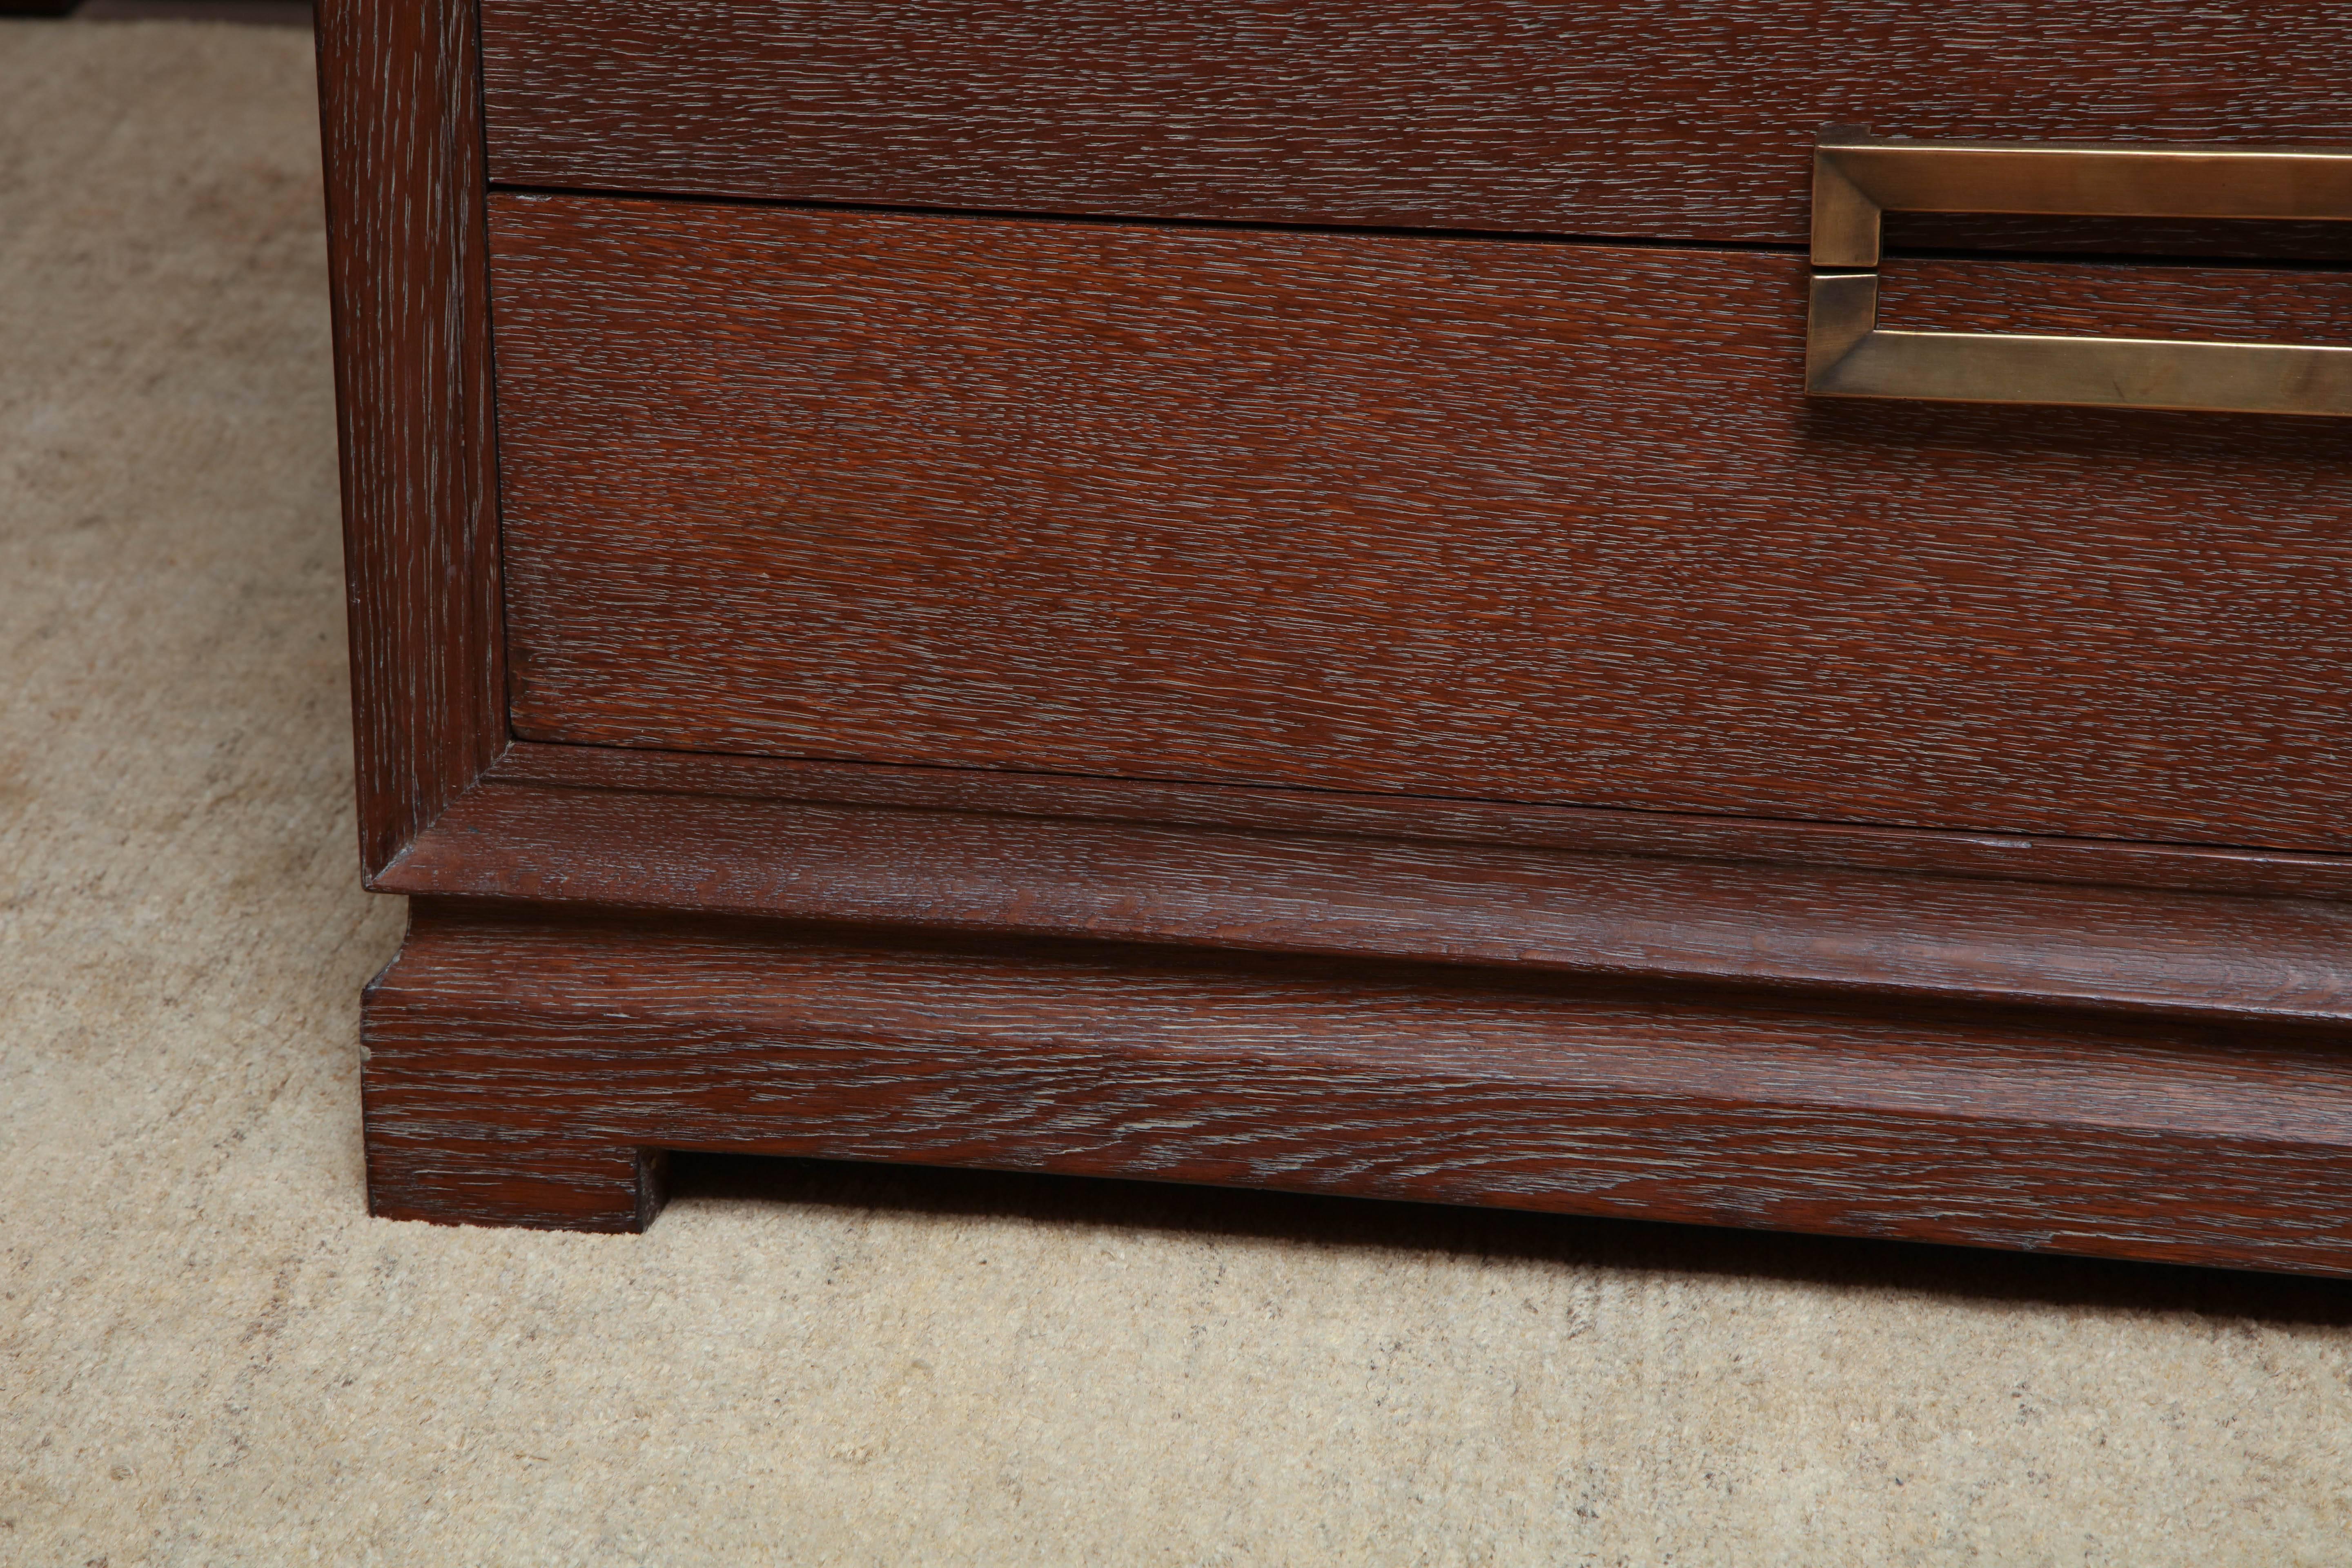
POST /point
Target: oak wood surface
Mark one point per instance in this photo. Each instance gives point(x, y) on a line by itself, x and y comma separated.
point(1688, 120)
point(520, 1069)
point(399, 107)
point(1358, 554)
point(2188, 868)
point(1507, 520)
point(1952, 939)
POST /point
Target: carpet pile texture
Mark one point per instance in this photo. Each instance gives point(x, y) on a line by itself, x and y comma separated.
point(209, 1353)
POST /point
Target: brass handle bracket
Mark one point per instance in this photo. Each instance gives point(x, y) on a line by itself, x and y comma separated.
point(1858, 178)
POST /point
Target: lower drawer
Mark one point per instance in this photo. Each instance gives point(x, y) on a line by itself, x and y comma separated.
point(1514, 520)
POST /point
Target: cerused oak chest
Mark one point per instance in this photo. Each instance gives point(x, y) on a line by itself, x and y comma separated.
point(1722, 610)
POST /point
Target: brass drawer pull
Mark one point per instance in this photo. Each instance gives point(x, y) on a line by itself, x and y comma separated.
point(1857, 178)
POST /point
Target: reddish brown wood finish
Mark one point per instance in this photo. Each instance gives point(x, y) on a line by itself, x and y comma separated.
point(1958, 1035)
point(1949, 939)
point(398, 103)
point(519, 1067)
point(1674, 119)
point(1522, 522)
point(970, 793)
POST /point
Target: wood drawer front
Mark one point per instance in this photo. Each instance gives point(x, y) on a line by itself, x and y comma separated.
point(1456, 517)
point(1656, 119)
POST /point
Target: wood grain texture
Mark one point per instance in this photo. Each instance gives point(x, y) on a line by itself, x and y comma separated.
point(1950, 940)
point(2185, 868)
point(1503, 521)
point(517, 1067)
point(399, 106)
point(1658, 119)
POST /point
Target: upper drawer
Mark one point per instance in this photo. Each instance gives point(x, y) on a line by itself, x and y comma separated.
point(1662, 119)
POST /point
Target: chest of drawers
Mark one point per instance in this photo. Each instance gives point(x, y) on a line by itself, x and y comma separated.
point(1344, 596)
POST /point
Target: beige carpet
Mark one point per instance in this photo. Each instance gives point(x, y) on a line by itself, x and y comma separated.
point(208, 1353)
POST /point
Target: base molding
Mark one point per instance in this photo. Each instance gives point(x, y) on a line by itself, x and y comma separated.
point(1913, 938)
point(528, 1065)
